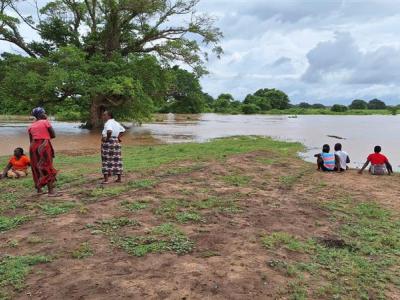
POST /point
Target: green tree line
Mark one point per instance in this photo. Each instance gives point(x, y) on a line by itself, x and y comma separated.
point(95, 54)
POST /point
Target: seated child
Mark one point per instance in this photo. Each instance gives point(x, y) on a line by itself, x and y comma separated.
point(379, 163)
point(326, 161)
point(17, 166)
point(344, 158)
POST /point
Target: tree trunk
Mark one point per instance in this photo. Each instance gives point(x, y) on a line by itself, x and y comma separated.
point(96, 110)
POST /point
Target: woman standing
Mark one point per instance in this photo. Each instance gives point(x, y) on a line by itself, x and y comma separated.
point(111, 156)
point(42, 152)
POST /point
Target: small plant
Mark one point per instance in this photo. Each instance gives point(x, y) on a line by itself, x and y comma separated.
point(134, 206)
point(110, 225)
point(83, 251)
point(283, 239)
point(7, 223)
point(165, 237)
point(289, 181)
point(237, 180)
point(13, 243)
point(14, 269)
point(188, 216)
point(55, 209)
point(141, 184)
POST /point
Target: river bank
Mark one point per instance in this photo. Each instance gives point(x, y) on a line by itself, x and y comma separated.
point(236, 218)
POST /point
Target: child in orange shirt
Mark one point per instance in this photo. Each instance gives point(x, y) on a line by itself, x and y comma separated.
point(17, 166)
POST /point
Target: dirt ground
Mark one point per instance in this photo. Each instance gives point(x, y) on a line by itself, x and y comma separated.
point(227, 261)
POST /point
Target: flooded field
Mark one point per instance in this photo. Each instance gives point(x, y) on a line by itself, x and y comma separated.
point(358, 134)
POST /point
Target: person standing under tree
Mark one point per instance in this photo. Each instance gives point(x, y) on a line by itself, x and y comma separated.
point(111, 155)
point(42, 153)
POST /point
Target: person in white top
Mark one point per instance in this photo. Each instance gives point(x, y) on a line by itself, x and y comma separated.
point(344, 158)
point(111, 155)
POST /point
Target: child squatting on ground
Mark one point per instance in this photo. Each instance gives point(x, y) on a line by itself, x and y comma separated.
point(17, 166)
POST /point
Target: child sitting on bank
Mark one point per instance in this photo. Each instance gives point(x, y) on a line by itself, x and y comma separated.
point(17, 166)
point(326, 161)
point(379, 163)
point(344, 158)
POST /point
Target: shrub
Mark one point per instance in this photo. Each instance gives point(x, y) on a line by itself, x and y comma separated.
point(358, 104)
point(338, 108)
point(249, 109)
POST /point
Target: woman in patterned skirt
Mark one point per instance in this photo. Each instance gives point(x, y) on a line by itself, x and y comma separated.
point(41, 152)
point(111, 156)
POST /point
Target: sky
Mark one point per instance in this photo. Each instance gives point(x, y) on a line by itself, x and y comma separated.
point(317, 51)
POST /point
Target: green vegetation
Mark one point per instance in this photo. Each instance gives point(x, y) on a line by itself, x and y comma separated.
point(83, 251)
point(166, 237)
point(7, 223)
point(109, 226)
point(360, 262)
point(237, 180)
point(14, 269)
point(134, 206)
point(105, 54)
point(54, 209)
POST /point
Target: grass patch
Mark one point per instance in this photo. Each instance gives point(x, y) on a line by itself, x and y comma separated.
point(109, 226)
point(134, 206)
point(288, 181)
point(171, 207)
point(83, 251)
point(237, 180)
point(7, 223)
point(285, 240)
point(14, 269)
point(188, 216)
point(163, 238)
point(362, 262)
point(57, 208)
point(142, 183)
point(107, 191)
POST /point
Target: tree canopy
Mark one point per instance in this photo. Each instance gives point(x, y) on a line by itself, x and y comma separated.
point(111, 42)
point(358, 104)
point(376, 104)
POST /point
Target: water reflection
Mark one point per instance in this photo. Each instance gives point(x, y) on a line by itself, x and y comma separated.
point(360, 133)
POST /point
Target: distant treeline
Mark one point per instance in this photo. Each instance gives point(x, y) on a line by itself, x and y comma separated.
point(274, 101)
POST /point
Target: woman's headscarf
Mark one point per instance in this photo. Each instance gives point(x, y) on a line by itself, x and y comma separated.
point(38, 112)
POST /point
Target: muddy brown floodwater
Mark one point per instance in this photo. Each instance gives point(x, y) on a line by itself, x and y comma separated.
point(358, 134)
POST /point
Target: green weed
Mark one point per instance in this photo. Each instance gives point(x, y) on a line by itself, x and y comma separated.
point(83, 251)
point(237, 180)
point(134, 206)
point(7, 223)
point(188, 216)
point(109, 226)
point(57, 208)
point(14, 269)
point(288, 181)
point(166, 237)
point(362, 262)
point(283, 239)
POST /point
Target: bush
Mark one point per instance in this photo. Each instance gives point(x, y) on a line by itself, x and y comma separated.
point(338, 108)
point(376, 104)
point(304, 105)
point(358, 104)
point(318, 106)
point(249, 109)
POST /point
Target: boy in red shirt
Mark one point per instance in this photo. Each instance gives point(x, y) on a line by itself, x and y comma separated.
point(379, 163)
point(17, 166)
